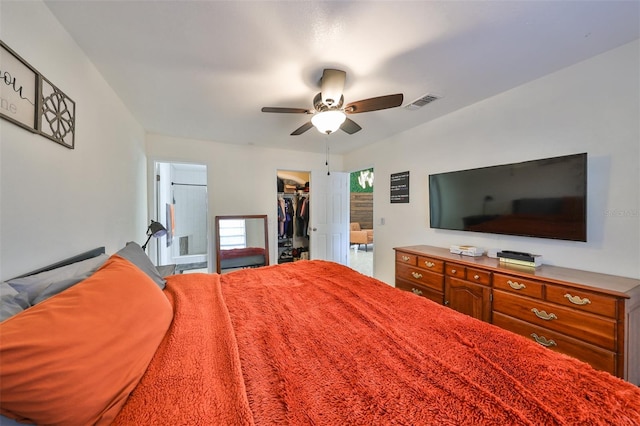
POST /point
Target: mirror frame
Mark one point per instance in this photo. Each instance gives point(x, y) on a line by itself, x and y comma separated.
point(239, 217)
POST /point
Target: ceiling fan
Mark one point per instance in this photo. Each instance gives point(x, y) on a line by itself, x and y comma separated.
point(329, 114)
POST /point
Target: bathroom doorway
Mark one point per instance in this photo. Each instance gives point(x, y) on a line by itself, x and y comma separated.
point(181, 206)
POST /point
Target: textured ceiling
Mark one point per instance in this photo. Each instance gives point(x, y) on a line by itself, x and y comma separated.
point(203, 69)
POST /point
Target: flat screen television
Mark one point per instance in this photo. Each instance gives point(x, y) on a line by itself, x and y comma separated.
point(545, 198)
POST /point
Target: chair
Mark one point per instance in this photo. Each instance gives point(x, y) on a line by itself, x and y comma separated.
point(360, 236)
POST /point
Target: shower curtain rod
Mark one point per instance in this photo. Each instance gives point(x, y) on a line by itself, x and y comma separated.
point(188, 184)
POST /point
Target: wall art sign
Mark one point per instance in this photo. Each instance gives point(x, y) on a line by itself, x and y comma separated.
point(400, 187)
point(18, 90)
point(31, 101)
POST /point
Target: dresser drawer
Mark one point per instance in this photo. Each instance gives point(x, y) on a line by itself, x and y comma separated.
point(478, 276)
point(582, 300)
point(432, 265)
point(518, 285)
point(420, 276)
point(597, 330)
point(420, 290)
point(599, 358)
point(409, 259)
point(455, 270)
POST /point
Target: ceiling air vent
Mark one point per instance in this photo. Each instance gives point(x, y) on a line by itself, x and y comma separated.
point(422, 101)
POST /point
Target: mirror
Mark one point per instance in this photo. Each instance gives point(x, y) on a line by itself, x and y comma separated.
point(241, 242)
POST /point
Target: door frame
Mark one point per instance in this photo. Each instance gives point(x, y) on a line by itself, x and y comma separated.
point(154, 212)
point(314, 176)
point(373, 219)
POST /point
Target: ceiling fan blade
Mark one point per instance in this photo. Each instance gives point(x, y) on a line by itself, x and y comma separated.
point(331, 86)
point(350, 126)
point(300, 130)
point(374, 104)
point(287, 110)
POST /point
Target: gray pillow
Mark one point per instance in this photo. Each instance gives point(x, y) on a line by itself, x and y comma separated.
point(6, 421)
point(11, 302)
point(7, 290)
point(34, 285)
point(134, 254)
point(57, 287)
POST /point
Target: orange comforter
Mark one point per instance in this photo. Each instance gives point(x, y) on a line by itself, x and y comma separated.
point(313, 342)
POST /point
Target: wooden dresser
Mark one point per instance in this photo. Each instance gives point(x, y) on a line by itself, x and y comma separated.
point(591, 316)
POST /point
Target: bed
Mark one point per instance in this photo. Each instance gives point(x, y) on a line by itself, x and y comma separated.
point(308, 342)
point(239, 258)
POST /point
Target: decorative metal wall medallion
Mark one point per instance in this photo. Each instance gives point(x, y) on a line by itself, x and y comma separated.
point(58, 115)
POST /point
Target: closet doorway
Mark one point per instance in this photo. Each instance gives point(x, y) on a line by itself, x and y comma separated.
point(181, 206)
point(361, 235)
point(318, 213)
point(293, 215)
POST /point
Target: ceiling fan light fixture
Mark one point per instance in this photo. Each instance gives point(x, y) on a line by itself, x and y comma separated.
point(328, 112)
point(328, 121)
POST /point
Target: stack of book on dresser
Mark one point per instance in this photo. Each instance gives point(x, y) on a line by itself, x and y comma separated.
point(467, 250)
point(520, 258)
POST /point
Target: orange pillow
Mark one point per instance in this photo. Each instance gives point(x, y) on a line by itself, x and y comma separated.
point(75, 358)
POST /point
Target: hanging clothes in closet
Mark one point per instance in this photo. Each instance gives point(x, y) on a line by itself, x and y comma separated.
point(281, 216)
point(286, 213)
point(302, 216)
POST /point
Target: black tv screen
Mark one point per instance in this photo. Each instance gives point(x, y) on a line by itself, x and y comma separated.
point(544, 198)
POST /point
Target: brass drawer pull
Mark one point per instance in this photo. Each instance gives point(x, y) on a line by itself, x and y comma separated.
point(476, 277)
point(416, 275)
point(405, 258)
point(543, 340)
point(576, 300)
point(454, 271)
point(416, 291)
point(543, 315)
point(429, 264)
point(516, 285)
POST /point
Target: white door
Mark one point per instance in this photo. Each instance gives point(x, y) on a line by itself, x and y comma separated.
point(329, 216)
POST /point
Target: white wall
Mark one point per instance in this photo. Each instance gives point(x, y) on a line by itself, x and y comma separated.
point(56, 202)
point(241, 179)
point(592, 107)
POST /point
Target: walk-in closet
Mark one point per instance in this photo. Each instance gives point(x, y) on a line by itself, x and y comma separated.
point(293, 211)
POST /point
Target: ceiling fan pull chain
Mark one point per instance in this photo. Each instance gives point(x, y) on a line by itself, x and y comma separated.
point(326, 162)
point(326, 151)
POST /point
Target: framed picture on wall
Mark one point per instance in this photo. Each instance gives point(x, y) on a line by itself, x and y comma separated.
point(399, 187)
point(19, 90)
